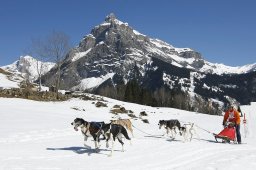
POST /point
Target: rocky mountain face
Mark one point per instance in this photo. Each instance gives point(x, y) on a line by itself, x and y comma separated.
point(114, 54)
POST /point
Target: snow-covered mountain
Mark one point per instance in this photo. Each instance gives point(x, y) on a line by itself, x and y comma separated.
point(26, 67)
point(114, 54)
point(141, 46)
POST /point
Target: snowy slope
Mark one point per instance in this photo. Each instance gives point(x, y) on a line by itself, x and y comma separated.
point(92, 82)
point(38, 135)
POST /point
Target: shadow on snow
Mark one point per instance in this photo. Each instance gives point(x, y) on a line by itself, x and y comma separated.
point(78, 150)
point(81, 150)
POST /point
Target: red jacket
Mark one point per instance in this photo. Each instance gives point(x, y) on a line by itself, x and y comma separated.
point(232, 115)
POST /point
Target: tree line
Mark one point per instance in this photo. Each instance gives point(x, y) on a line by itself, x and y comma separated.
point(161, 97)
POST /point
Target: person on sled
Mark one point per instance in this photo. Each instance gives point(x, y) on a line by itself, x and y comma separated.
point(232, 116)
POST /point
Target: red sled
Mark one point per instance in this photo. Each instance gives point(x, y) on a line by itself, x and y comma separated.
point(226, 135)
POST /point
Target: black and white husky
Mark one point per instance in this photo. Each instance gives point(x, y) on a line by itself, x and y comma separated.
point(188, 130)
point(172, 126)
point(113, 131)
point(89, 129)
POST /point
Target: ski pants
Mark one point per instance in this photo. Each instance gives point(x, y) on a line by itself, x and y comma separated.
point(238, 134)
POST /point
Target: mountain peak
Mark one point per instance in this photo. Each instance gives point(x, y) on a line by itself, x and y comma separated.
point(110, 18)
point(26, 57)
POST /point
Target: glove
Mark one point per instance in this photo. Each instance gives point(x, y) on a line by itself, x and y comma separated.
point(232, 124)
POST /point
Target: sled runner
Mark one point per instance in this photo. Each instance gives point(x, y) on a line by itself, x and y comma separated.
point(227, 134)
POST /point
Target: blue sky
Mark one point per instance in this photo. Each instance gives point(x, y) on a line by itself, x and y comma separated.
point(223, 31)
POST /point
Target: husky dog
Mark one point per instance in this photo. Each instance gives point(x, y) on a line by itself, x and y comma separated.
point(113, 131)
point(89, 129)
point(187, 131)
point(172, 125)
point(125, 123)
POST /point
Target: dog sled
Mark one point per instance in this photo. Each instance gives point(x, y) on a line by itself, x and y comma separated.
point(227, 135)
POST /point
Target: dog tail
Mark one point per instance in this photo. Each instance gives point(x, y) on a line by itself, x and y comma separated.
point(124, 132)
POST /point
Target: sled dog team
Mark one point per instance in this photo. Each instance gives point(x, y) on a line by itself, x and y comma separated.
point(118, 128)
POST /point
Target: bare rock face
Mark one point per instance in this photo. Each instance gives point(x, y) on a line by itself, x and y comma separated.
point(112, 46)
point(87, 43)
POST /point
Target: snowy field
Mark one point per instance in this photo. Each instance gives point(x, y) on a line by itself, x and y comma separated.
point(38, 136)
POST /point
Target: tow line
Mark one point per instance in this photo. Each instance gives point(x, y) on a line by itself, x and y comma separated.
point(147, 133)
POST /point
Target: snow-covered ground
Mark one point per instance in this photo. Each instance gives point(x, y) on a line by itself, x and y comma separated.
point(38, 136)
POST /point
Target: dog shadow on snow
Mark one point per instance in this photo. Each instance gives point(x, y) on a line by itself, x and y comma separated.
point(79, 150)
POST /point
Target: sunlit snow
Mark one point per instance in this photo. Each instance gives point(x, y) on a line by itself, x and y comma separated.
point(38, 135)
